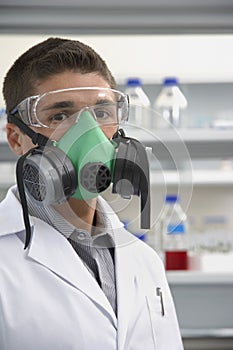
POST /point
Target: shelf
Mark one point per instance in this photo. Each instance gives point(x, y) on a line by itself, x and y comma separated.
point(207, 297)
point(131, 17)
point(185, 134)
point(183, 144)
point(199, 333)
point(197, 178)
point(199, 277)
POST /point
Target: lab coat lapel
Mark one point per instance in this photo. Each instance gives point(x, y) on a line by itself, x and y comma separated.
point(52, 250)
point(126, 283)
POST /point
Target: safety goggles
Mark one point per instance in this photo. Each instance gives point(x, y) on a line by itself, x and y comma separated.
point(62, 108)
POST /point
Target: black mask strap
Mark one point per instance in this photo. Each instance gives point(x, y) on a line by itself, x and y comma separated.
point(22, 195)
point(37, 139)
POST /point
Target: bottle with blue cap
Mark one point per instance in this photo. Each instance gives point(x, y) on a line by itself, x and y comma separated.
point(174, 230)
point(170, 102)
point(139, 103)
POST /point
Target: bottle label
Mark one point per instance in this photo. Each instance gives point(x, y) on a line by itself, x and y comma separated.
point(173, 229)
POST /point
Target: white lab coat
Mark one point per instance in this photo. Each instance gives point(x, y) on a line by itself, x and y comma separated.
point(49, 301)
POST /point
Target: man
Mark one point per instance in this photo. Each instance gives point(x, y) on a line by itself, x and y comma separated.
point(71, 277)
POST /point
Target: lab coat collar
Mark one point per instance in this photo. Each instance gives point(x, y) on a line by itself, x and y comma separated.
point(11, 214)
point(126, 280)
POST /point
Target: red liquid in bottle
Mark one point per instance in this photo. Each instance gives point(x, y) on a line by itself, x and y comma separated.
point(176, 260)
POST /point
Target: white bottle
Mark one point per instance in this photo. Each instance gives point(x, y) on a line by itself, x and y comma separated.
point(170, 101)
point(139, 103)
point(174, 230)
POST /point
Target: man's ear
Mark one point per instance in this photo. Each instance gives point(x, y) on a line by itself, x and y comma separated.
point(14, 137)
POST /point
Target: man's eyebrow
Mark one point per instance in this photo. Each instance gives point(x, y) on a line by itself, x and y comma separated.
point(59, 104)
point(71, 104)
point(102, 101)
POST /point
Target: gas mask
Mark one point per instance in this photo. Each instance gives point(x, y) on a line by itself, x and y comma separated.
point(82, 164)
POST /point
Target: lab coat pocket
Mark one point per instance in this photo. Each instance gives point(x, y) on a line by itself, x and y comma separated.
point(161, 316)
point(155, 302)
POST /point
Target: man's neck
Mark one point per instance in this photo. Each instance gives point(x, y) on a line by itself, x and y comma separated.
point(79, 213)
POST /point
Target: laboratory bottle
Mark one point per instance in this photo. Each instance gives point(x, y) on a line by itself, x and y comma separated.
point(170, 101)
point(139, 103)
point(174, 231)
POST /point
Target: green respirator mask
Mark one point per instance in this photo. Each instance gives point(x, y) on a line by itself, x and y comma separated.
point(82, 164)
point(92, 156)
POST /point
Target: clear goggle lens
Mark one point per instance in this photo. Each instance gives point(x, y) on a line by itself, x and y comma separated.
point(61, 108)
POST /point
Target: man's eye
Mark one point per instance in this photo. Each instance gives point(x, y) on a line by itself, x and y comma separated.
point(59, 117)
point(105, 111)
point(102, 114)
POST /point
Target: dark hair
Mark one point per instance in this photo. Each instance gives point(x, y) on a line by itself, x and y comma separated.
point(50, 57)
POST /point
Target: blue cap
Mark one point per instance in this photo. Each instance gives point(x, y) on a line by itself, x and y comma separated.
point(172, 198)
point(141, 236)
point(133, 82)
point(170, 81)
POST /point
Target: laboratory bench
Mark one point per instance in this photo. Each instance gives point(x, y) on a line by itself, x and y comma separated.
point(204, 305)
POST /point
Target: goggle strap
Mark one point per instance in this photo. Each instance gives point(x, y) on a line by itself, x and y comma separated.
point(37, 138)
